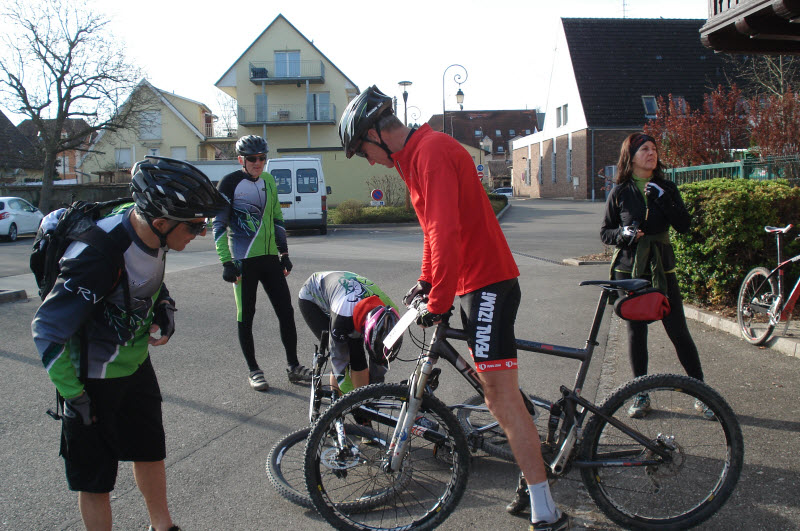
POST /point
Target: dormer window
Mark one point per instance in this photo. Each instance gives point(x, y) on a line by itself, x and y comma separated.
point(650, 107)
point(680, 104)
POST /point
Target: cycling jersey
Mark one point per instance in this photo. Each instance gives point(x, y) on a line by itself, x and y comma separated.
point(337, 293)
point(117, 339)
point(464, 247)
point(253, 224)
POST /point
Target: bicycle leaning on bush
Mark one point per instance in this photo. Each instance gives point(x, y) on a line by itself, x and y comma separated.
point(761, 304)
point(670, 470)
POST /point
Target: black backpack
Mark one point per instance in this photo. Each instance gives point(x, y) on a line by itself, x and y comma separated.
point(78, 222)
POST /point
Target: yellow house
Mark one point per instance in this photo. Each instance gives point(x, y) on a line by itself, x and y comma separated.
point(290, 93)
point(168, 125)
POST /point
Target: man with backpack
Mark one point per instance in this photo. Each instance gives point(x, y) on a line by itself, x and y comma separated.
point(93, 332)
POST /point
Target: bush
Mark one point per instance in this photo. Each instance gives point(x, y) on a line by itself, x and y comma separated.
point(354, 212)
point(347, 212)
point(727, 237)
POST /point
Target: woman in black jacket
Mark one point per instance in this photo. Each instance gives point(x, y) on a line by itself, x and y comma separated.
point(639, 213)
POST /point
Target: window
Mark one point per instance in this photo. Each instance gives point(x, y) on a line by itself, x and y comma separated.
point(307, 181)
point(319, 106)
point(261, 108)
point(511, 133)
point(527, 131)
point(150, 125)
point(498, 132)
point(178, 152)
point(565, 116)
point(558, 117)
point(650, 107)
point(283, 179)
point(541, 169)
point(478, 132)
point(287, 64)
point(500, 149)
point(122, 157)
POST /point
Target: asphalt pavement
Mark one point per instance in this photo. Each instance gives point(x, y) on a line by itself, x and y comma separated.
point(219, 431)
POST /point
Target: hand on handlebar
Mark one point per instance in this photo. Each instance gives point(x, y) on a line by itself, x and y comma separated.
point(420, 289)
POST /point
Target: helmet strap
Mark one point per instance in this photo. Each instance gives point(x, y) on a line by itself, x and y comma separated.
point(162, 236)
point(382, 144)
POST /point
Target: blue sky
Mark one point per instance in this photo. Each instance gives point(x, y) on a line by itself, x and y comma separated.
point(506, 45)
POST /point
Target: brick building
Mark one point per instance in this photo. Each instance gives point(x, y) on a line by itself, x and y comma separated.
point(607, 75)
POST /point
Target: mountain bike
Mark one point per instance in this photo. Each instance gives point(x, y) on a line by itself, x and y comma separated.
point(761, 304)
point(672, 469)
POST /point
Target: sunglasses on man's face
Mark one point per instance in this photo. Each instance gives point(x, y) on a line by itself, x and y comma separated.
point(195, 228)
point(359, 151)
point(255, 158)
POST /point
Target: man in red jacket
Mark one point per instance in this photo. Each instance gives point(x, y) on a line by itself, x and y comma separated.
point(466, 254)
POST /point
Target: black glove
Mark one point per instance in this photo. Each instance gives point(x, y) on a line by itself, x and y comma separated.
point(421, 288)
point(426, 318)
point(230, 273)
point(653, 191)
point(286, 263)
point(164, 317)
point(79, 409)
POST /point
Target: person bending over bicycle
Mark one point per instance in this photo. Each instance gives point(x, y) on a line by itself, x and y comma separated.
point(465, 253)
point(358, 315)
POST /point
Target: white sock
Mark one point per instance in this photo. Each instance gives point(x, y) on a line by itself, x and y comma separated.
point(543, 508)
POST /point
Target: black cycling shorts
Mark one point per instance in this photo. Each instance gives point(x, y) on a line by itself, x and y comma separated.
point(488, 315)
point(128, 428)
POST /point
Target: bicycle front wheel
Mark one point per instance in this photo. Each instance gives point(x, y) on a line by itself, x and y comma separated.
point(285, 468)
point(421, 495)
point(755, 297)
point(637, 487)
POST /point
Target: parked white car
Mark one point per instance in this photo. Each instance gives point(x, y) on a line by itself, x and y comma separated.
point(506, 191)
point(17, 216)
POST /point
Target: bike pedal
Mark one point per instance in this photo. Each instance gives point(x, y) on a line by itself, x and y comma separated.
point(433, 379)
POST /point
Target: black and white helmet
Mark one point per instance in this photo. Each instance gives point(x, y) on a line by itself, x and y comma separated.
point(360, 116)
point(173, 189)
point(378, 323)
point(251, 145)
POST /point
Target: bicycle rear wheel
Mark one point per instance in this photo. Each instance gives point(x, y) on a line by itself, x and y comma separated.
point(480, 423)
point(755, 297)
point(421, 495)
point(678, 492)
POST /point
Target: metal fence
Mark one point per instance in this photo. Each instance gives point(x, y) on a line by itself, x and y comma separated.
point(786, 167)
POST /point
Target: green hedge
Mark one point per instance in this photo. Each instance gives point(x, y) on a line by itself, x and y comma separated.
point(355, 212)
point(727, 237)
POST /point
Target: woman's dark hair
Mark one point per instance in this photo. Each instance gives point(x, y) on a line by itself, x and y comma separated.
point(625, 163)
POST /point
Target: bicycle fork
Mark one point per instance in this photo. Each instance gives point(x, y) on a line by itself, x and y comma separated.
point(408, 414)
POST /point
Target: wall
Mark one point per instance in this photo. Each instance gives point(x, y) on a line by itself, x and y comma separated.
point(64, 195)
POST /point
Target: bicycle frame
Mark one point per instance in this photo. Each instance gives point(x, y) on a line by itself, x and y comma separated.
point(571, 398)
point(782, 311)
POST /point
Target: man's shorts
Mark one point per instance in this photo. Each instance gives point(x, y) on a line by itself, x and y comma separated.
point(128, 428)
point(488, 315)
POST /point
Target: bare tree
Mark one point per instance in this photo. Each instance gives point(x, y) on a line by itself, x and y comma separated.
point(770, 75)
point(60, 61)
point(228, 125)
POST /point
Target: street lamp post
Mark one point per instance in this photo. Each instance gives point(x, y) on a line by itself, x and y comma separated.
point(459, 95)
point(405, 84)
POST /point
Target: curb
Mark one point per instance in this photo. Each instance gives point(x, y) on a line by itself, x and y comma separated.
point(13, 295)
point(576, 262)
point(784, 345)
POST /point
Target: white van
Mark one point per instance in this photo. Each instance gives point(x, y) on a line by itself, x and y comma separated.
point(301, 191)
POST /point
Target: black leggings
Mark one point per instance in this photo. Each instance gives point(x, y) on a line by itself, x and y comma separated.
point(674, 325)
point(268, 271)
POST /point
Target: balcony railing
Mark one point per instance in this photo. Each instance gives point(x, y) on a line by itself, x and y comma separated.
point(286, 114)
point(273, 73)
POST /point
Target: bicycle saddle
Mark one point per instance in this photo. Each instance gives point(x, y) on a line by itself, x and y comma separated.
point(629, 284)
point(783, 230)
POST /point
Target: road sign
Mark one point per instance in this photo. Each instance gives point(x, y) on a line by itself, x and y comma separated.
point(377, 203)
point(480, 168)
point(377, 195)
point(480, 174)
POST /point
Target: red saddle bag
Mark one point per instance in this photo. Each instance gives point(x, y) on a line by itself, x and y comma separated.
point(646, 305)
